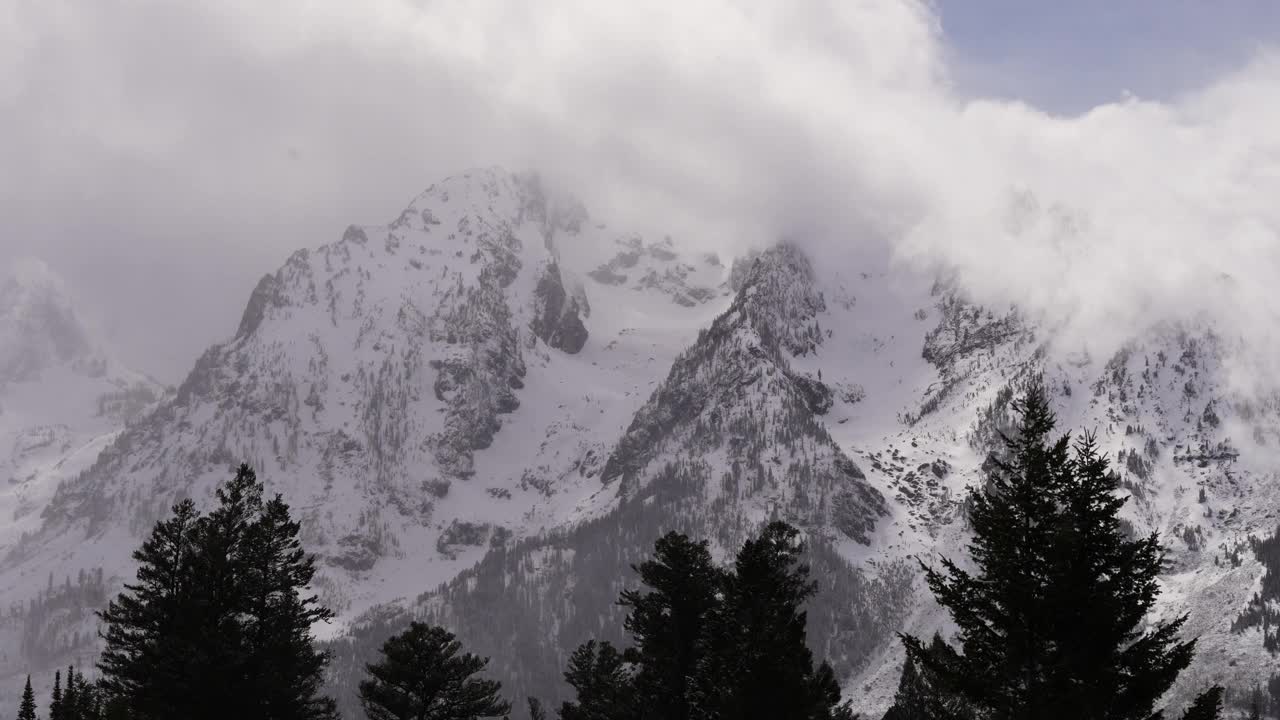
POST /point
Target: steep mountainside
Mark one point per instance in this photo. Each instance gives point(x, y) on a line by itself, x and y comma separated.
point(861, 406)
point(63, 397)
point(486, 410)
point(420, 392)
point(730, 439)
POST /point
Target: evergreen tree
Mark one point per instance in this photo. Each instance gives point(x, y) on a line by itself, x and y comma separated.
point(148, 642)
point(81, 700)
point(535, 709)
point(422, 676)
point(69, 708)
point(55, 698)
point(668, 622)
point(1051, 624)
point(918, 697)
point(284, 669)
point(757, 665)
point(217, 624)
point(27, 710)
point(1206, 707)
point(602, 681)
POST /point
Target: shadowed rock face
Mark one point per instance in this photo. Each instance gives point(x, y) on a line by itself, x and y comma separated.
point(557, 316)
point(707, 405)
point(268, 293)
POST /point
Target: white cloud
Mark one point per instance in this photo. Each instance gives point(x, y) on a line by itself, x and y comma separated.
point(209, 140)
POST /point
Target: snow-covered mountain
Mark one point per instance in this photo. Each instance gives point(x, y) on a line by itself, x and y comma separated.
point(63, 398)
point(420, 392)
point(487, 409)
point(62, 395)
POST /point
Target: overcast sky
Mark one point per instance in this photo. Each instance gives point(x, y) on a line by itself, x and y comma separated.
point(162, 155)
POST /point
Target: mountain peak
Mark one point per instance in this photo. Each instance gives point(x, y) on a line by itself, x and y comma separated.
point(39, 326)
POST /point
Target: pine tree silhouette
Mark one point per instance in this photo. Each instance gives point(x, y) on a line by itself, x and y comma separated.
point(217, 624)
point(424, 675)
point(757, 665)
point(55, 698)
point(918, 697)
point(602, 683)
point(1051, 625)
point(27, 709)
point(668, 623)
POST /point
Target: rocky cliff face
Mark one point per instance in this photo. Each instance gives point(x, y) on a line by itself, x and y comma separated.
point(731, 438)
point(363, 378)
point(421, 392)
point(487, 409)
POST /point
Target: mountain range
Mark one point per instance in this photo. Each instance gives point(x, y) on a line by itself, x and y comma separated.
point(486, 410)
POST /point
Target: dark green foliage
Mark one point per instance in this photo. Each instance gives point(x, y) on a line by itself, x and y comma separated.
point(521, 604)
point(70, 700)
point(912, 697)
point(27, 709)
point(77, 700)
point(1051, 624)
point(216, 625)
point(535, 709)
point(757, 665)
point(667, 623)
point(423, 676)
point(55, 699)
point(1261, 612)
point(284, 670)
point(1206, 707)
point(711, 644)
point(144, 663)
point(918, 696)
point(603, 683)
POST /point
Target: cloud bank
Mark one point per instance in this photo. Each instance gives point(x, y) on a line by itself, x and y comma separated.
point(164, 155)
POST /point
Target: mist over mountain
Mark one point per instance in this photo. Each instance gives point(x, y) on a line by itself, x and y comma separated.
point(689, 268)
point(162, 157)
point(484, 408)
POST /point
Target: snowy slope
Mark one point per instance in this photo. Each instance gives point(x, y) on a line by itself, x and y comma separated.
point(487, 409)
point(63, 398)
point(62, 395)
point(420, 392)
point(908, 382)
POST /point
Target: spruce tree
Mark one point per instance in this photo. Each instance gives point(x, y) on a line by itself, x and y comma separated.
point(918, 697)
point(217, 624)
point(668, 622)
point(81, 700)
point(145, 663)
point(605, 690)
point(911, 700)
point(1051, 624)
point(284, 670)
point(757, 665)
point(55, 698)
point(69, 708)
point(423, 675)
point(27, 709)
point(1208, 706)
